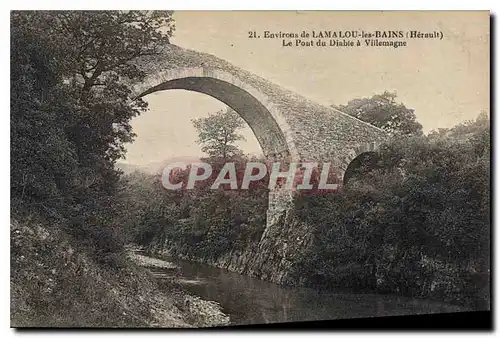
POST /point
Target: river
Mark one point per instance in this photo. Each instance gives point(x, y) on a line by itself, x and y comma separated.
point(252, 301)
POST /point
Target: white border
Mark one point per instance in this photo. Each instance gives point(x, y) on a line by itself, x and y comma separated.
point(191, 5)
point(257, 5)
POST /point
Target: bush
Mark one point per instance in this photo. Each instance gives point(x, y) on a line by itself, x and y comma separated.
point(201, 223)
point(418, 224)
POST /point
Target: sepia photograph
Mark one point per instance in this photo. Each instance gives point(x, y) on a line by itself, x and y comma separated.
point(250, 169)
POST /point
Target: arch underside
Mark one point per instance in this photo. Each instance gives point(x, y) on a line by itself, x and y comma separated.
point(268, 132)
point(364, 161)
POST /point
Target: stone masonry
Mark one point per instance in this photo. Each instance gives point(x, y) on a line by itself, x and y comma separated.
point(288, 127)
point(286, 124)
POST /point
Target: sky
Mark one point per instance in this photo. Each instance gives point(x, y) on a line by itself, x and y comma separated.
point(445, 81)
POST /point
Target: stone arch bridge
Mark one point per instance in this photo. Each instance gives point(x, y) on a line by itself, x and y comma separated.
point(286, 124)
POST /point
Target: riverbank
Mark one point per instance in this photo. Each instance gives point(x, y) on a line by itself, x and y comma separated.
point(250, 300)
point(54, 283)
point(291, 252)
point(197, 311)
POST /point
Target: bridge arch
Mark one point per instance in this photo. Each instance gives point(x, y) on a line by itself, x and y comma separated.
point(269, 126)
point(366, 154)
point(285, 123)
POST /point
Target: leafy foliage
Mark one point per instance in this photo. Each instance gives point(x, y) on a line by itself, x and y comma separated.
point(418, 224)
point(384, 112)
point(218, 133)
point(71, 107)
point(200, 223)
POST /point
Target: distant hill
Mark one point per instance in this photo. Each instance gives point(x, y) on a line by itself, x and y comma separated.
point(129, 168)
point(155, 167)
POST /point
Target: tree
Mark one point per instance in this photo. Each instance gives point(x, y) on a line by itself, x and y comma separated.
point(218, 133)
point(70, 105)
point(70, 111)
point(465, 130)
point(384, 112)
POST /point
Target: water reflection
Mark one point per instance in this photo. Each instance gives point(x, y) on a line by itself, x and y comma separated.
point(252, 301)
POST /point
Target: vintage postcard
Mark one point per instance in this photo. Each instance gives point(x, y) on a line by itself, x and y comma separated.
point(179, 169)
